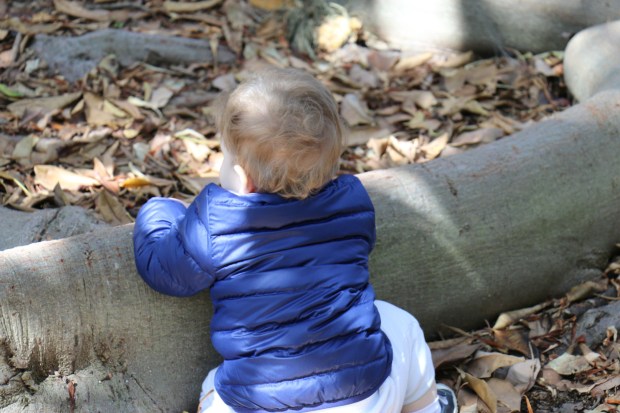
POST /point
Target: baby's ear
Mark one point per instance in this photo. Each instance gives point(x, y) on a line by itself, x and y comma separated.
point(246, 183)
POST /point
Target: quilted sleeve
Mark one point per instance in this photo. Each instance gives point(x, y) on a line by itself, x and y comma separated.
point(160, 254)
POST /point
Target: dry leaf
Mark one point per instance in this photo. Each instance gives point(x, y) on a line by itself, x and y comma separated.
point(506, 394)
point(481, 388)
point(143, 104)
point(334, 31)
point(423, 99)
point(75, 9)
point(510, 317)
point(468, 402)
point(234, 39)
point(362, 134)
point(483, 73)
point(143, 180)
point(410, 62)
point(47, 104)
point(601, 387)
point(48, 176)
point(550, 377)
point(432, 149)
point(196, 185)
point(24, 147)
point(585, 290)
point(10, 177)
point(225, 82)
point(569, 364)
point(378, 145)
point(135, 182)
point(473, 106)
point(456, 60)
point(7, 58)
point(523, 375)
point(363, 77)
point(602, 408)
point(111, 209)
point(484, 363)
point(420, 122)
point(516, 340)
point(405, 148)
point(96, 115)
point(451, 354)
point(478, 136)
point(132, 110)
point(382, 60)
point(354, 111)
point(114, 110)
point(161, 96)
point(189, 7)
point(542, 67)
point(105, 176)
point(272, 4)
point(200, 152)
point(31, 29)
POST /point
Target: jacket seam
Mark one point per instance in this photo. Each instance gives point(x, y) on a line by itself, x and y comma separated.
point(324, 373)
point(299, 225)
point(283, 323)
point(209, 264)
point(291, 290)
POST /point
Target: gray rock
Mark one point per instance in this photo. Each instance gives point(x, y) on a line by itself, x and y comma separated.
point(593, 325)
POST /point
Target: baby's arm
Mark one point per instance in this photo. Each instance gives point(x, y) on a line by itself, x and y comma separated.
point(160, 254)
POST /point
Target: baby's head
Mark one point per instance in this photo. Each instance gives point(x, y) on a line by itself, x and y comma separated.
point(281, 127)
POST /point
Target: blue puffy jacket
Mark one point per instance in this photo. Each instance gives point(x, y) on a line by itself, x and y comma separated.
point(294, 315)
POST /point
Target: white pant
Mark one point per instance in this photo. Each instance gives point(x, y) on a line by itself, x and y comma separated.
point(411, 377)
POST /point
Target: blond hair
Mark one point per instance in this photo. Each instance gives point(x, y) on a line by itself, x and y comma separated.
point(282, 127)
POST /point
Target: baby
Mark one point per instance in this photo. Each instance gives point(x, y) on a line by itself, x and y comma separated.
point(283, 247)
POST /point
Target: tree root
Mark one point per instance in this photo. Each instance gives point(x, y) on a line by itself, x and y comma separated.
point(73, 57)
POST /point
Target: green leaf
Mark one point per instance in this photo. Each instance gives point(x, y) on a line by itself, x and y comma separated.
point(8, 92)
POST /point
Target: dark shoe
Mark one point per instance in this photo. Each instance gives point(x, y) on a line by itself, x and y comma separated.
point(447, 399)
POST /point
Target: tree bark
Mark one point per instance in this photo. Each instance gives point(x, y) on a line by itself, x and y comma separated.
point(77, 307)
point(504, 226)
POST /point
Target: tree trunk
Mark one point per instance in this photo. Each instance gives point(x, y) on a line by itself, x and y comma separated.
point(507, 225)
point(487, 26)
point(460, 239)
point(77, 307)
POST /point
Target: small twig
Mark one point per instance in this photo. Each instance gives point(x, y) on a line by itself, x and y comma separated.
point(529, 406)
point(605, 297)
point(16, 47)
point(458, 331)
point(123, 5)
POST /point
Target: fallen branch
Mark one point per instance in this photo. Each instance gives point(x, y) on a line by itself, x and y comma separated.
point(73, 57)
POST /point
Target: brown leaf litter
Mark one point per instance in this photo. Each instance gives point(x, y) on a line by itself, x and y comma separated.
point(537, 358)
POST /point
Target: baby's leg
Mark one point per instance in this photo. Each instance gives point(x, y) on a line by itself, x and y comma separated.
point(414, 356)
point(428, 400)
point(207, 392)
point(210, 401)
